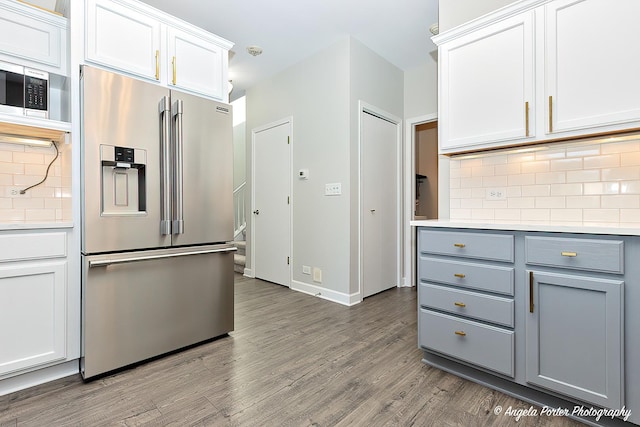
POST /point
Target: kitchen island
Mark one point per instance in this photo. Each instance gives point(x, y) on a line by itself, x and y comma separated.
point(542, 311)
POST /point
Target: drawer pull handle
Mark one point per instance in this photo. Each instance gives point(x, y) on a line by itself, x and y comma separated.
point(461, 333)
point(459, 304)
point(459, 245)
point(460, 275)
point(570, 254)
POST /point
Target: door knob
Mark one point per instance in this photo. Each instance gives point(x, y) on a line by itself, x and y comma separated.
point(372, 210)
point(257, 212)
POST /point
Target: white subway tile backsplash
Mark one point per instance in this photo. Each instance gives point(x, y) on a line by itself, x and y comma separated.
point(28, 203)
point(11, 168)
point(620, 174)
point(596, 181)
point(553, 202)
point(603, 161)
point(6, 157)
point(551, 178)
point(5, 202)
point(629, 201)
point(40, 214)
point(521, 179)
point(583, 176)
point(6, 179)
point(12, 215)
point(22, 157)
point(583, 202)
point(536, 190)
point(574, 189)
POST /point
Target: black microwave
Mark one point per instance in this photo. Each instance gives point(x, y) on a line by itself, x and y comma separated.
point(23, 90)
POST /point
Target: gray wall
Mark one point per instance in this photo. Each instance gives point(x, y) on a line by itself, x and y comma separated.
point(454, 13)
point(321, 93)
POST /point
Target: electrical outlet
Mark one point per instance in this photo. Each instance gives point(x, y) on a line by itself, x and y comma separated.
point(317, 275)
point(496, 193)
point(334, 189)
point(306, 269)
point(14, 192)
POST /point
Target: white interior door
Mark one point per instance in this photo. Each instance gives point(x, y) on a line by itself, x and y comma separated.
point(271, 209)
point(379, 163)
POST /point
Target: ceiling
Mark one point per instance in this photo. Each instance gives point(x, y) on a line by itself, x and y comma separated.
point(291, 30)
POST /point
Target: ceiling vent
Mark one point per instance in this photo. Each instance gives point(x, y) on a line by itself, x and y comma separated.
point(254, 50)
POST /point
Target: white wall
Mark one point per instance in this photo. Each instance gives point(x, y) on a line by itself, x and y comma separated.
point(239, 141)
point(315, 93)
point(421, 89)
point(454, 13)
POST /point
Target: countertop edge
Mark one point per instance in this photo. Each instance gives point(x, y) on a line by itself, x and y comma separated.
point(9, 226)
point(612, 229)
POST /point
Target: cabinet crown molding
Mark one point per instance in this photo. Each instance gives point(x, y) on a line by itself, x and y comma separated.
point(35, 13)
point(488, 19)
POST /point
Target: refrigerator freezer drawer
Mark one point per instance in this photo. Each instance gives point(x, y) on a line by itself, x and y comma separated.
point(138, 305)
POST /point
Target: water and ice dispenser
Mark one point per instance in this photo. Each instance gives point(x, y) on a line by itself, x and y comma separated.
point(123, 180)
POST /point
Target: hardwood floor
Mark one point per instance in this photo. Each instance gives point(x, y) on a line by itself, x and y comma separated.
point(293, 360)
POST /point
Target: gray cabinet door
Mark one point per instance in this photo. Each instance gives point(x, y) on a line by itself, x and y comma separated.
point(574, 337)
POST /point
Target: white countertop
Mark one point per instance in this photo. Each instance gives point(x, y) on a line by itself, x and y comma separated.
point(549, 226)
point(23, 225)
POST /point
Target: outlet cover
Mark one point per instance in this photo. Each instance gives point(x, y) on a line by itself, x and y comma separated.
point(317, 275)
point(14, 192)
point(333, 189)
point(496, 193)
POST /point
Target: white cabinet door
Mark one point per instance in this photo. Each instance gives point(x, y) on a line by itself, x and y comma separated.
point(486, 86)
point(592, 66)
point(574, 337)
point(123, 38)
point(196, 64)
point(33, 314)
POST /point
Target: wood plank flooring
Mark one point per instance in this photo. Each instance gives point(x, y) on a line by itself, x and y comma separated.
point(293, 360)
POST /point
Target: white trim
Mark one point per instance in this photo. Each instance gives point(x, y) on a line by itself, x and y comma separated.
point(328, 294)
point(410, 193)
point(249, 237)
point(364, 107)
point(40, 376)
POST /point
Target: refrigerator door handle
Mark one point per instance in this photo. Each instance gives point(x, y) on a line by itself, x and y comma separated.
point(178, 210)
point(124, 260)
point(164, 108)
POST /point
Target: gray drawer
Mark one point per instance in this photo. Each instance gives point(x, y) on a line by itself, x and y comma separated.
point(489, 308)
point(483, 277)
point(482, 345)
point(495, 247)
point(584, 254)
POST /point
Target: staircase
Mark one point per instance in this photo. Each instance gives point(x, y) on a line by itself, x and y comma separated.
point(239, 257)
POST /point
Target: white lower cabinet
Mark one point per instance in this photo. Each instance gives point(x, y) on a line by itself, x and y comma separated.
point(555, 321)
point(33, 300)
point(33, 312)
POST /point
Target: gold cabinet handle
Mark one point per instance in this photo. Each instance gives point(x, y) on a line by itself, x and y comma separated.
point(526, 117)
point(550, 114)
point(459, 275)
point(531, 292)
point(461, 333)
point(459, 304)
point(157, 65)
point(173, 63)
point(459, 245)
point(569, 254)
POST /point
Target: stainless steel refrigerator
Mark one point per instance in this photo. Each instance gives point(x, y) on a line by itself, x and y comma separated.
point(157, 213)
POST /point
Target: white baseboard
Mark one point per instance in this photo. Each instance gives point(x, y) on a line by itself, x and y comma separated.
point(41, 376)
point(328, 294)
point(248, 273)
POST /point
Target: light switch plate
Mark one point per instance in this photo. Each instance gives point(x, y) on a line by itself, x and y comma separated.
point(333, 189)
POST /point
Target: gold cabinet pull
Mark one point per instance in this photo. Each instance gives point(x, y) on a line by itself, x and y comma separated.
point(459, 275)
point(459, 245)
point(526, 117)
point(459, 304)
point(550, 114)
point(531, 292)
point(461, 333)
point(173, 63)
point(569, 254)
point(157, 65)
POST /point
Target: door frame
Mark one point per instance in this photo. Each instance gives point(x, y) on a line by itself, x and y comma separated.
point(250, 235)
point(363, 108)
point(410, 193)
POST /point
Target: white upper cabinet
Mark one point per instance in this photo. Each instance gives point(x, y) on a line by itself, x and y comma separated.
point(486, 85)
point(592, 67)
point(123, 38)
point(33, 37)
point(539, 70)
point(196, 64)
point(134, 38)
